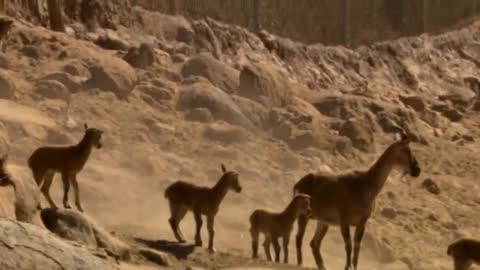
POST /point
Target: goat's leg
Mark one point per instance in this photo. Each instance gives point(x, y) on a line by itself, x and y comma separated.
point(276, 248)
point(177, 214)
point(266, 247)
point(316, 243)
point(255, 235)
point(286, 241)
point(302, 226)
point(211, 232)
point(66, 188)
point(76, 191)
point(199, 222)
point(345, 228)
point(47, 183)
point(461, 264)
point(357, 240)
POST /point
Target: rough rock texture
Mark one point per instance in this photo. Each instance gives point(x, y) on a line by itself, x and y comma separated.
point(265, 84)
point(201, 94)
point(113, 75)
point(219, 74)
point(28, 247)
point(140, 57)
point(7, 87)
point(72, 225)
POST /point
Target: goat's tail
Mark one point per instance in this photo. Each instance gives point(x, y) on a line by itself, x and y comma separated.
point(168, 192)
point(450, 250)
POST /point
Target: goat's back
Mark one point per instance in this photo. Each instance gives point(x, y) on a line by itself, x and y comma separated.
point(263, 220)
point(186, 193)
point(465, 248)
point(50, 157)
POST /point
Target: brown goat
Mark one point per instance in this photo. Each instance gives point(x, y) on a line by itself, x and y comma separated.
point(348, 199)
point(183, 196)
point(68, 161)
point(275, 225)
point(464, 252)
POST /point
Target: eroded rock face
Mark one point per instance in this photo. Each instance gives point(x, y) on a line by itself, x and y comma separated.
point(29, 247)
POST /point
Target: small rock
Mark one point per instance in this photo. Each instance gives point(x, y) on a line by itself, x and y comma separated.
point(389, 213)
point(450, 226)
point(65, 79)
point(52, 89)
point(110, 40)
point(179, 58)
point(157, 93)
point(201, 115)
point(415, 102)
point(225, 133)
point(141, 57)
point(429, 185)
point(7, 87)
point(31, 51)
point(453, 115)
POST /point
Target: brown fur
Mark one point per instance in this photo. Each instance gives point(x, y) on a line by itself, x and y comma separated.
point(275, 225)
point(348, 199)
point(184, 197)
point(68, 161)
point(465, 253)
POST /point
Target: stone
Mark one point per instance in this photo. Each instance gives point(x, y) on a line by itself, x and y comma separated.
point(52, 89)
point(219, 74)
point(140, 57)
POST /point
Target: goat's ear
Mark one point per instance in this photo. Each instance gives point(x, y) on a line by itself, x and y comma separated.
point(86, 126)
point(224, 170)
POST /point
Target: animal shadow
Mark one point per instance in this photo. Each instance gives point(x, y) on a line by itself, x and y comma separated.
point(179, 250)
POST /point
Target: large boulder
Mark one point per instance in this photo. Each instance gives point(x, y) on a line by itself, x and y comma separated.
point(74, 226)
point(113, 75)
point(265, 84)
point(219, 74)
point(201, 94)
point(28, 247)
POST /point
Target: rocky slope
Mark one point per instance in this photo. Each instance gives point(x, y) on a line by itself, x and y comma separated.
point(176, 98)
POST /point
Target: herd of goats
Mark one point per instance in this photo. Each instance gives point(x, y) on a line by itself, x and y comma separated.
point(344, 200)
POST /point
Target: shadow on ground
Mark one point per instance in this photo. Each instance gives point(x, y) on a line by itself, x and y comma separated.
point(179, 250)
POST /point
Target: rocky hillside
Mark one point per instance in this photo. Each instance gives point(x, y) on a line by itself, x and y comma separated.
point(176, 98)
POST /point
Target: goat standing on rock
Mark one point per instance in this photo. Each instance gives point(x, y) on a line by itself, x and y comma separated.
point(67, 160)
point(183, 196)
point(276, 225)
point(348, 199)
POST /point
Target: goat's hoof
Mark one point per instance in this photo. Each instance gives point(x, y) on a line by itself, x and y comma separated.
point(67, 206)
point(198, 243)
point(212, 250)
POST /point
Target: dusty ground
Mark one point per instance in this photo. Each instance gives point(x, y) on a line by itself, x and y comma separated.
point(149, 143)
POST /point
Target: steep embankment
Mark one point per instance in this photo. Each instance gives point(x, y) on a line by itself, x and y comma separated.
point(268, 108)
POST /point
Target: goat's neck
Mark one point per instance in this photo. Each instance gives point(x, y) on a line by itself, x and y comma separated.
point(378, 173)
point(290, 213)
point(84, 147)
point(219, 191)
